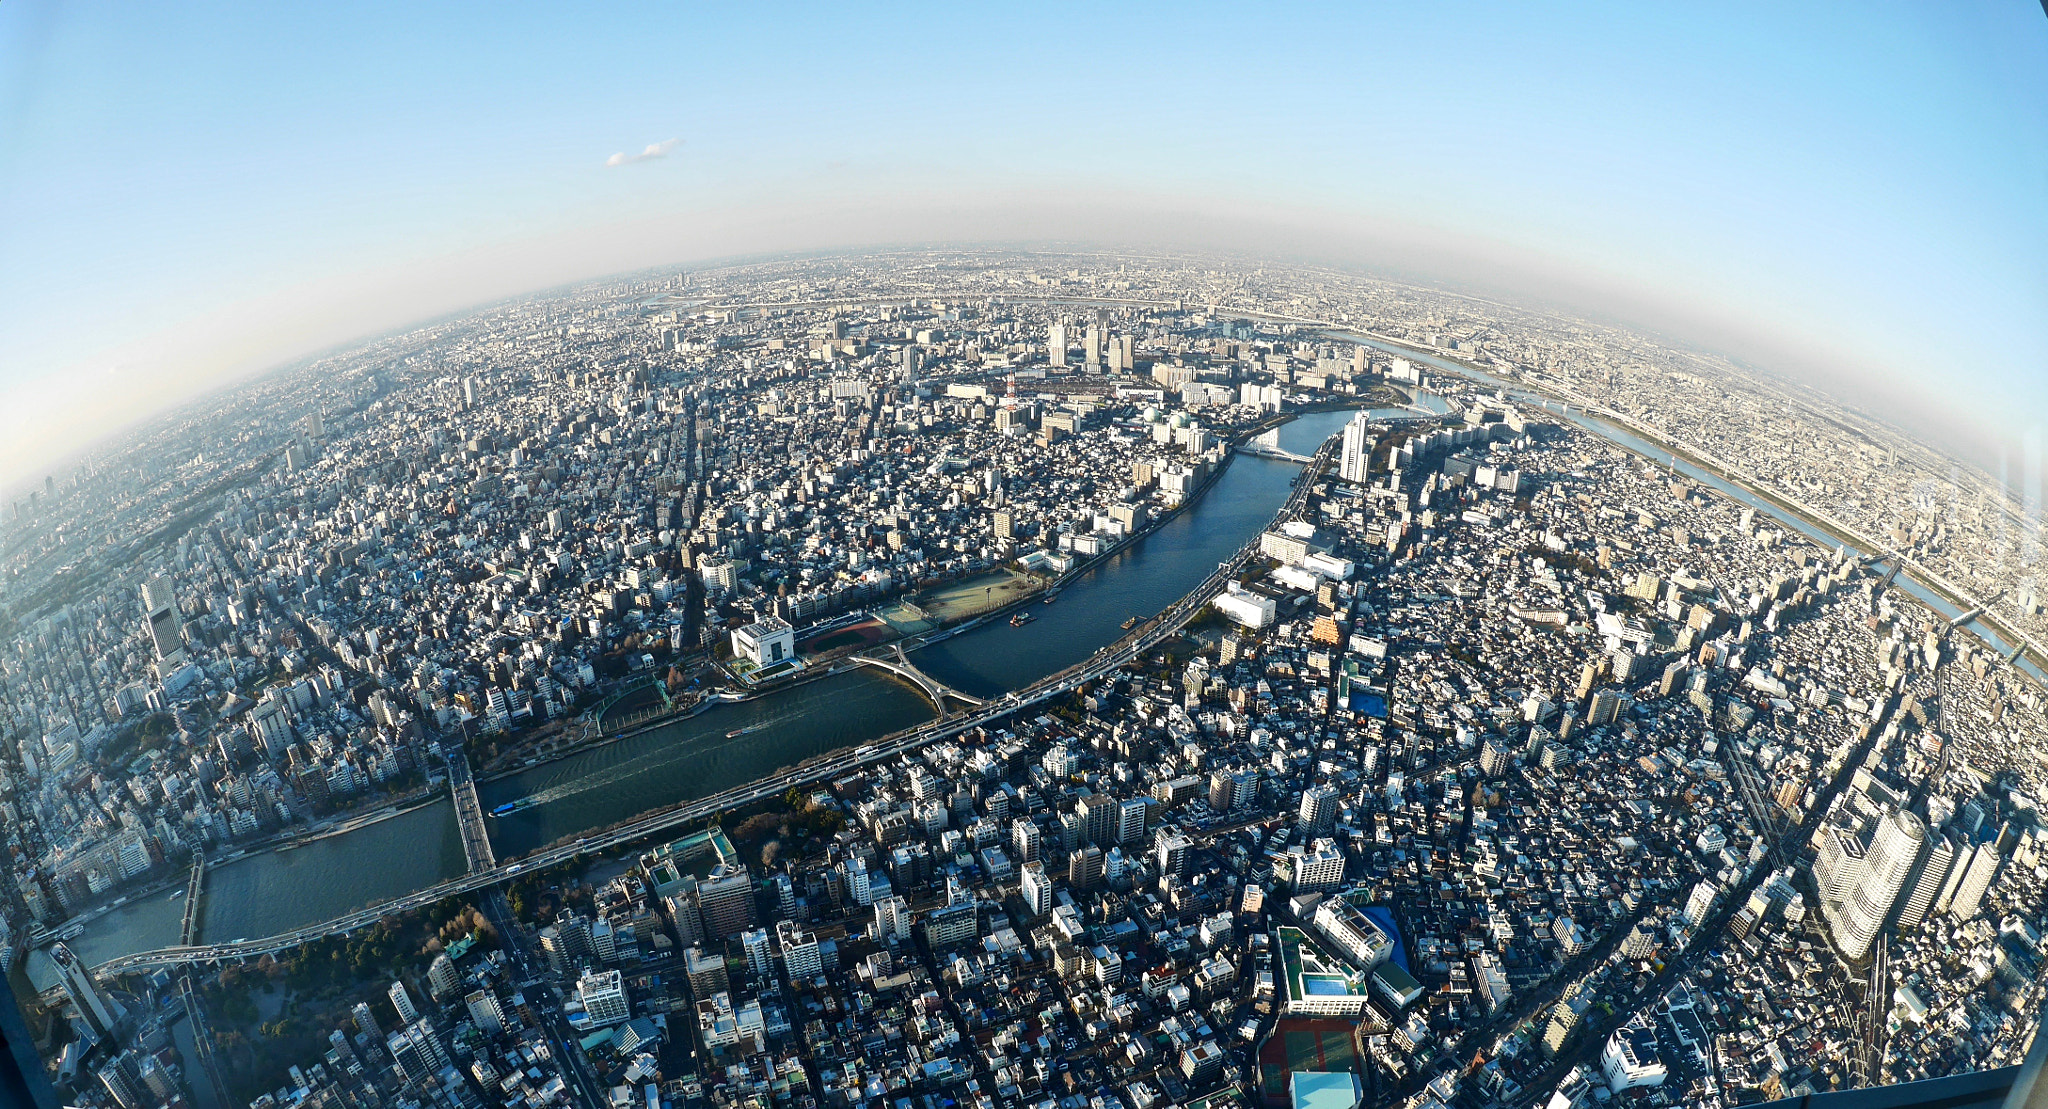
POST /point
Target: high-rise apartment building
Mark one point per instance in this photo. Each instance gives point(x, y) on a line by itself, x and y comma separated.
point(1894, 852)
point(1969, 896)
point(402, 1001)
point(1318, 811)
point(1355, 464)
point(1036, 889)
point(1926, 882)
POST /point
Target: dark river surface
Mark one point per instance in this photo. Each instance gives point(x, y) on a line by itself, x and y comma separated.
point(276, 891)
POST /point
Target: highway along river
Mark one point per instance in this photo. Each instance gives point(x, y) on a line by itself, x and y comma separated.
point(1628, 439)
point(276, 891)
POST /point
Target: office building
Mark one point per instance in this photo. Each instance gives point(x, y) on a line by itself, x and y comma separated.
point(1631, 1059)
point(1170, 850)
point(725, 897)
point(99, 1011)
point(1085, 867)
point(765, 642)
point(166, 629)
point(604, 997)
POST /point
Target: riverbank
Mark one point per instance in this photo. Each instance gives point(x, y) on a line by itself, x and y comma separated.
point(680, 759)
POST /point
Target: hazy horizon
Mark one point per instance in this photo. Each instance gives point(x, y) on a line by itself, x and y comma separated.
point(1855, 205)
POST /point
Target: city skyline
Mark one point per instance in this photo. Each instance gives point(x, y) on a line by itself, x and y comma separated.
point(679, 646)
point(1059, 557)
point(1853, 205)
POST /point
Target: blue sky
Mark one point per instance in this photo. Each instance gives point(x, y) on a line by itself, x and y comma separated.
point(1858, 196)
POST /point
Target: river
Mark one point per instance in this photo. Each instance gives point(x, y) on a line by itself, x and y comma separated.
point(276, 891)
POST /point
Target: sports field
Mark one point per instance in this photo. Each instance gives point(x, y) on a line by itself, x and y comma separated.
point(971, 596)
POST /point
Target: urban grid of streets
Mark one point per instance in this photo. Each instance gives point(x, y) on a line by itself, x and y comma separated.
point(1506, 765)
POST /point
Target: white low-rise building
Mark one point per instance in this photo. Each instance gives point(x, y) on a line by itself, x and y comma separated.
point(765, 642)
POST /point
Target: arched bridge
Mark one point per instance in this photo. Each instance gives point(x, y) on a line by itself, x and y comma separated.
point(896, 662)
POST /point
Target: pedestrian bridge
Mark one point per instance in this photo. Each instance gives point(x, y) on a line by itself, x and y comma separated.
point(896, 662)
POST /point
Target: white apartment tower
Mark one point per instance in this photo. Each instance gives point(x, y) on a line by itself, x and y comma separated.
point(1934, 871)
point(402, 1001)
point(1318, 813)
point(1356, 462)
point(1893, 854)
point(1036, 889)
point(1969, 897)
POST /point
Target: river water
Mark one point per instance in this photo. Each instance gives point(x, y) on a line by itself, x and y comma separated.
point(277, 891)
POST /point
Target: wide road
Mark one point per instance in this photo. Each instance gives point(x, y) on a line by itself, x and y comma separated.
point(1108, 659)
point(469, 812)
point(583, 1085)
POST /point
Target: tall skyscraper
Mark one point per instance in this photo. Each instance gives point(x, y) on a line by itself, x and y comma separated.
point(1355, 464)
point(102, 1013)
point(166, 631)
point(1969, 896)
point(1893, 854)
point(1056, 345)
point(1934, 869)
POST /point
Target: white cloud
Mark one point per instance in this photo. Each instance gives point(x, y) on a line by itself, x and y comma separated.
point(654, 150)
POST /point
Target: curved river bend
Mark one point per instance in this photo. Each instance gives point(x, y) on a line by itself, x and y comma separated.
point(277, 891)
